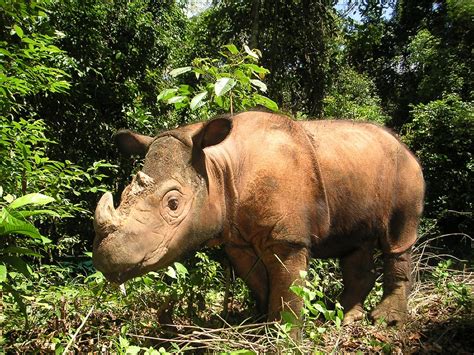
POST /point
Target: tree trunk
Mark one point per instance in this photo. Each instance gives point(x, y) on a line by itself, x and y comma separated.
point(255, 24)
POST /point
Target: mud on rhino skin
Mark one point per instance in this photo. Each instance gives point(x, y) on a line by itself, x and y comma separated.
point(270, 190)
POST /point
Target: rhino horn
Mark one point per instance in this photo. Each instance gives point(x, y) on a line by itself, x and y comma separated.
point(106, 218)
point(144, 180)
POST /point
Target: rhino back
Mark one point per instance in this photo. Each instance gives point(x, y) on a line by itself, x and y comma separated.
point(372, 182)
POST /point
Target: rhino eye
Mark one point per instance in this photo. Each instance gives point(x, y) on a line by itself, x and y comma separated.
point(173, 204)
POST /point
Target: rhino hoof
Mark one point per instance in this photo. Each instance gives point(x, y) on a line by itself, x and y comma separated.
point(353, 316)
point(385, 312)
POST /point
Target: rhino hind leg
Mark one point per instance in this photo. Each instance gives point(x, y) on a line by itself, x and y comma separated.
point(396, 285)
point(359, 278)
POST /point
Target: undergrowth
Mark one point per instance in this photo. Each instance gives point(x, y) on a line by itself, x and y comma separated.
point(199, 306)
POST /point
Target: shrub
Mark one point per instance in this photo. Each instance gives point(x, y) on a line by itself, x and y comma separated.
point(228, 84)
point(440, 134)
point(29, 70)
point(353, 96)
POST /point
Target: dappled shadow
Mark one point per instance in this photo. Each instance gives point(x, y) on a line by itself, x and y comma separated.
point(451, 336)
point(443, 331)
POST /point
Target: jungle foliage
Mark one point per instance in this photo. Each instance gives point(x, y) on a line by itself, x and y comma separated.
point(73, 72)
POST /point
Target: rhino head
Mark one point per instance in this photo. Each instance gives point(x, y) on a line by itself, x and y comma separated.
point(171, 207)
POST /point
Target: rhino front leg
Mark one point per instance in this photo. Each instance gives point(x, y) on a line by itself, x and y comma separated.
point(396, 286)
point(250, 268)
point(284, 264)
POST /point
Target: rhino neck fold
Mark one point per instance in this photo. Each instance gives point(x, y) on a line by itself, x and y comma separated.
point(323, 211)
point(222, 188)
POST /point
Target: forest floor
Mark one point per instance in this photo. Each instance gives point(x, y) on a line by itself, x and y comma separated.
point(79, 316)
point(438, 324)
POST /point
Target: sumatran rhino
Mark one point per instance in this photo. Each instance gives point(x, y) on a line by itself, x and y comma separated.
point(274, 192)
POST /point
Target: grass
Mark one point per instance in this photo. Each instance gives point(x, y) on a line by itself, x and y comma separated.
point(71, 312)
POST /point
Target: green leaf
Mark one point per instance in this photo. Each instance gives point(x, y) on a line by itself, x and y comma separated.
point(18, 30)
point(171, 272)
point(166, 94)
point(265, 101)
point(176, 99)
point(18, 264)
point(319, 308)
point(132, 349)
point(3, 51)
point(223, 85)
point(197, 100)
point(184, 90)
point(256, 68)
point(250, 52)
point(45, 240)
point(232, 48)
point(31, 199)
point(241, 77)
point(12, 225)
point(242, 352)
point(259, 84)
point(219, 101)
point(178, 71)
point(25, 214)
point(3, 273)
point(297, 290)
point(180, 269)
point(123, 342)
point(288, 317)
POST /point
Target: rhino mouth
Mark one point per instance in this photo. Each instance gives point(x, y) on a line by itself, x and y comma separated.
point(120, 277)
point(151, 262)
point(116, 278)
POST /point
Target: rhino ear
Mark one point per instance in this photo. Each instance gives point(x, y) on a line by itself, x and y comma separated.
point(131, 143)
point(215, 131)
